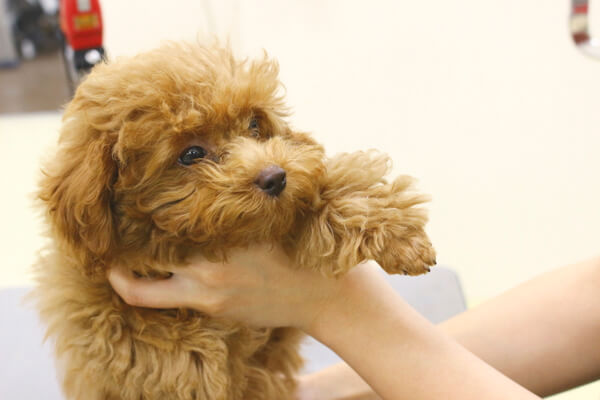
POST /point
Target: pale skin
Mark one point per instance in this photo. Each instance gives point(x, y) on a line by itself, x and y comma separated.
point(541, 337)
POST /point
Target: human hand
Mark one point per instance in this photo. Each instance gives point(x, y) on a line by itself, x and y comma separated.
point(257, 286)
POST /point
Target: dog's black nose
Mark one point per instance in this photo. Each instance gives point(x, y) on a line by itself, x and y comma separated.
point(271, 180)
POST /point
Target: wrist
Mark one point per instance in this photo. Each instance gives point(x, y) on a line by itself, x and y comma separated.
point(355, 299)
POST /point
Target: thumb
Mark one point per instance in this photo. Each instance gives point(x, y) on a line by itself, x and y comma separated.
point(144, 292)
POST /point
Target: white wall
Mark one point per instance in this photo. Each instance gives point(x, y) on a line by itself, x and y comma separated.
point(488, 103)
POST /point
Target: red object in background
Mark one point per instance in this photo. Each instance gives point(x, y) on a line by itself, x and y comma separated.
point(81, 23)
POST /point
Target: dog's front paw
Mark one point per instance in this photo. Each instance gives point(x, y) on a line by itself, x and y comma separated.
point(392, 232)
point(363, 217)
point(408, 254)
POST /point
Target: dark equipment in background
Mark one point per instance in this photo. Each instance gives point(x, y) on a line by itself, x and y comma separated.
point(35, 30)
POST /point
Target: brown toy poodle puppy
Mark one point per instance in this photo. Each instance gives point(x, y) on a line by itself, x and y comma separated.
point(186, 149)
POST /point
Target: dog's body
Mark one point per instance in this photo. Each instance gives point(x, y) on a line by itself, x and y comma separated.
point(185, 149)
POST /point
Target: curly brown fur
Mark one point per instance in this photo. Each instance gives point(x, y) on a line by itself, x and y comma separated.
point(116, 192)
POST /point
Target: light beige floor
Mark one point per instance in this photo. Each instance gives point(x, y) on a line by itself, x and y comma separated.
point(24, 140)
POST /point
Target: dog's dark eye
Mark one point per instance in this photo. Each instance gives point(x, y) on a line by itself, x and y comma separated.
point(191, 154)
point(253, 124)
point(254, 128)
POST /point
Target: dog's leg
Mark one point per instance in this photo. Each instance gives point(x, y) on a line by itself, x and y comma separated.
point(363, 217)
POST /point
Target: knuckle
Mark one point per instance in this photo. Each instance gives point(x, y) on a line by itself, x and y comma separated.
point(131, 298)
point(216, 305)
point(214, 277)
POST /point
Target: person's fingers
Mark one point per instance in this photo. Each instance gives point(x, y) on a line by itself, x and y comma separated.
point(141, 292)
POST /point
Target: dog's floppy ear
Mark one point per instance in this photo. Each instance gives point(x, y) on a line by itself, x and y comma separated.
point(76, 190)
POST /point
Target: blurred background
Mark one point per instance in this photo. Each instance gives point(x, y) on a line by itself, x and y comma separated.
point(491, 105)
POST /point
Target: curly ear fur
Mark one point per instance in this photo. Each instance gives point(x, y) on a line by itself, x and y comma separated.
point(76, 191)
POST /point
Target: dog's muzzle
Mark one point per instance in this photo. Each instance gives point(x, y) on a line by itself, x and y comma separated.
point(271, 180)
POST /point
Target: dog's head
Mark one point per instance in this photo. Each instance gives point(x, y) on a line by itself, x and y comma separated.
point(180, 147)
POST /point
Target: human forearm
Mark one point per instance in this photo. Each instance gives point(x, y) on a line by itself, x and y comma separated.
point(399, 353)
point(337, 382)
point(543, 334)
point(535, 333)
